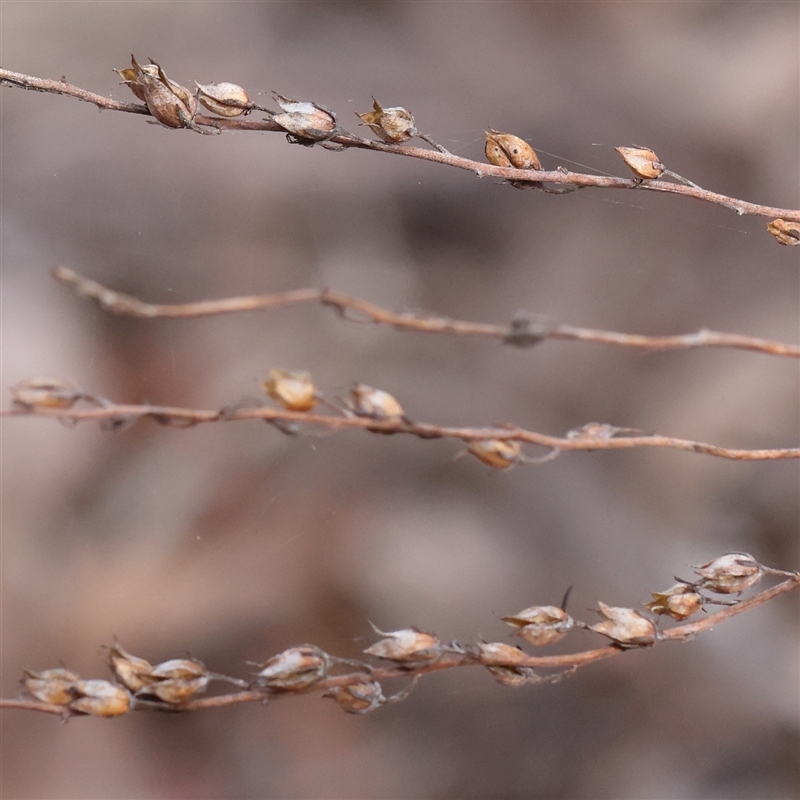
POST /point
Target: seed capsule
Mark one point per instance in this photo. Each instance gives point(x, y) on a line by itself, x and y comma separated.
point(643, 161)
point(367, 401)
point(785, 232)
point(132, 672)
point(492, 652)
point(307, 122)
point(295, 391)
point(541, 625)
point(406, 645)
point(729, 574)
point(52, 685)
point(358, 698)
point(293, 669)
point(680, 602)
point(507, 150)
point(177, 680)
point(514, 676)
point(99, 698)
point(46, 392)
point(225, 99)
point(625, 626)
point(393, 125)
point(498, 453)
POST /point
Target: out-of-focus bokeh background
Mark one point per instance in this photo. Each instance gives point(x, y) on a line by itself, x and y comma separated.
point(232, 542)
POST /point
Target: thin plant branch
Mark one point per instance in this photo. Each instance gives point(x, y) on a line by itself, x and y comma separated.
point(344, 140)
point(509, 664)
point(524, 331)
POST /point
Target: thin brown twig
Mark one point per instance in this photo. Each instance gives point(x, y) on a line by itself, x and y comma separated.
point(119, 415)
point(522, 332)
point(347, 140)
point(454, 656)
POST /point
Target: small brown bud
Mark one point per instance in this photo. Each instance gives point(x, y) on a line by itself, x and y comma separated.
point(680, 602)
point(513, 676)
point(367, 401)
point(132, 672)
point(729, 574)
point(100, 698)
point(499, 453)
point(45, 392)
point(393, 125)
point(177, 680)
point(225, 99)
point(784, 231)
point(643, 161)
point(541, 625)
point(52, 685)
point(358, 698)
point(295, 391)
point(293, 669)
point(409, 644)
point(625, 626)
point(307, 122)
point(170, 103)
point(507, 150)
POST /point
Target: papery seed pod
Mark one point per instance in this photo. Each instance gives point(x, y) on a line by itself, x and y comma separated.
point(179, 668)
point(498, 453)
point(784, 231)
point(393, 125)
point(407, 645)
point(541, 625)
point(308, 122)
point(295, 391)
point(625, 626)
point(45, 392)
point(170, 103)
point(492, 652)
point(729, 574)
point(99, 698)
point(293, 669)
point(358, 698)
point(513, 676)
point(132, 672)
point(52, 685)
point(507, 150)
point(177, 680)
point(680, 602)
point(643, 161)
point(367, 401)
point(225, 99)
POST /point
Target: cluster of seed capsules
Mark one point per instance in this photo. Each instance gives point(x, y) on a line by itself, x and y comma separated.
point(174, 683)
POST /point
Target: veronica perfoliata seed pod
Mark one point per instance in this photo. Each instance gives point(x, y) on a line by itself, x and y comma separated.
point(45, 392)
point(407, 645)
point(225, 99)
point(541, 625)
point(177, 680)
point(626, 627)
point(358, 698)
point(680, 602)
point(507, 150)
point(294, 390)
point(497, 453)
point(643, 161)
point(99, 698)
point(170, 103)
point(729, 574)
point(294, 669)
point(393, 125)
point(132, 672)
point(304, 121)
point(785, 232)
point(52, 685)
point(366, 401)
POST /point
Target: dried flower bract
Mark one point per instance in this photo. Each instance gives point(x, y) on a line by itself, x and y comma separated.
point(680, 602)
point(132, 672)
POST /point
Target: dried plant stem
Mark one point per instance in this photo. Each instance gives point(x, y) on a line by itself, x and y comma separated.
point(521, 333)
point(117, 416)
point(482, 170)
point(456, 656)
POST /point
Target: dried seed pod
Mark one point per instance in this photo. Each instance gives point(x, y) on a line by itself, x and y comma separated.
point(784, 231)
point(625, 626)
point(367, 401)
point(358, 698)
point(507, 150)
point(393, 125)
point(513, 676)
point(492, 652)
point(45, 392)
point(177, 680)
point(643, 161)
point(225, 99)
point(293, 390)
point(307, 122)
point(170, 103)
point(729, 574)
point(541, 625)
point(132, 672)
point(407, 645)
point(99, 698)
point(293, 669)
point(498, 453)
point(52, 685)
point(680, 602)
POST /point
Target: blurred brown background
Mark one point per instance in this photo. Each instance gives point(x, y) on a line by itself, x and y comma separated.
point(232, 542)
